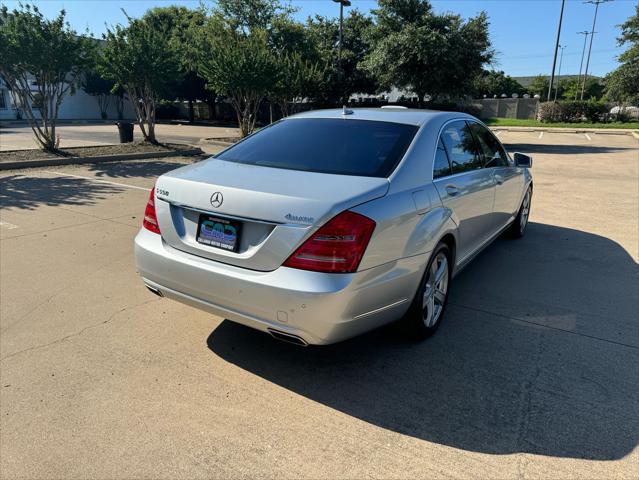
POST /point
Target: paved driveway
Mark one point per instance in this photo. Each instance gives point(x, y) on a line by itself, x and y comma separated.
point(533, 375)
point(21, 138)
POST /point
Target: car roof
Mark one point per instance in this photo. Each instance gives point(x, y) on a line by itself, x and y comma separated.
point(395, 115)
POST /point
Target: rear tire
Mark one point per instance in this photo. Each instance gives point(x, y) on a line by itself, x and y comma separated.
point(429, 305)
point(518, 227)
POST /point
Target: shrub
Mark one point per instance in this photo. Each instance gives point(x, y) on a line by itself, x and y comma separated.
point(572, 111)
point(550, 112)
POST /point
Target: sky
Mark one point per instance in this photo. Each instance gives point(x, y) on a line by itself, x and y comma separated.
point(522, 31)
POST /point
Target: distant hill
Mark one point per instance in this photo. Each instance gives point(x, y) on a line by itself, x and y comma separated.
point(526, 81)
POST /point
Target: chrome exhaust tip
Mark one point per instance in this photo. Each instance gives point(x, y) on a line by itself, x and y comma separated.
point(154, 290)
point(288, 337)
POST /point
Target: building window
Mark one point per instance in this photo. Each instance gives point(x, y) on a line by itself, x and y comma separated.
point(3, 102)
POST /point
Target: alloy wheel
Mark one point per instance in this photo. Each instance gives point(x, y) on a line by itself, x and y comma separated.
point(435, 290)
point(525, 211)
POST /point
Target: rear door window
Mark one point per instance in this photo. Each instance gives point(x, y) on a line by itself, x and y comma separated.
point(461, 147)
point(493, 152)
point(326, 145)
point(441, 168)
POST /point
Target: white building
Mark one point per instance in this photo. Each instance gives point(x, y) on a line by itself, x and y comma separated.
point(79, 106)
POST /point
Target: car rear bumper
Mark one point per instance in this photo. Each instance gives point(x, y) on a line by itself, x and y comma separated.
point(319, 308)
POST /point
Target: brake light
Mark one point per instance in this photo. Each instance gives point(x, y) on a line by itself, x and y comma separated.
point(150, 218)
point(337, 247)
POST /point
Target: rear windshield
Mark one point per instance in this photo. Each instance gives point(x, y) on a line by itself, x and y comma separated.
point(326, 145)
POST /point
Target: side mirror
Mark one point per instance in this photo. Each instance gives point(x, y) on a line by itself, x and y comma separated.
point(521, 160)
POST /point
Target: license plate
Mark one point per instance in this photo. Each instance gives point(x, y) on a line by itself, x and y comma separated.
point(219, 232)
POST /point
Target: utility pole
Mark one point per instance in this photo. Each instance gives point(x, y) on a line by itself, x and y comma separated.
point(592, 35)
point(554, 61)
point(561, 58)
point(342, 4)
point(585, 33)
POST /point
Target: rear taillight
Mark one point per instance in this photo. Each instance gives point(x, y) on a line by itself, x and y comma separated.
point(337, 247)
point(150, 218)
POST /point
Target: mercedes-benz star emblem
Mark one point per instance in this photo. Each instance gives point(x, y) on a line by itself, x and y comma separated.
point(217, 199)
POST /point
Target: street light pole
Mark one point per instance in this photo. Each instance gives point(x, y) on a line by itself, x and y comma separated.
point(554, 61)
point(342, 4)
point(561, 58)
point(592, 36)
point(585, 33)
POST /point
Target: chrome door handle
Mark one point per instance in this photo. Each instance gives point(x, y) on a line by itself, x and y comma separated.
point(452, 190)
point(499, 180)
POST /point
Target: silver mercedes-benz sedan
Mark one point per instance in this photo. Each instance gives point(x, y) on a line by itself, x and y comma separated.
point(330, 223)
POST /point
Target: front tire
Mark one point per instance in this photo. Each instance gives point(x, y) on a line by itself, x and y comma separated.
point(429, 305)
point(518, 227)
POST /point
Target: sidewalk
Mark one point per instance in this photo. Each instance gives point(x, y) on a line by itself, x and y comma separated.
point(599, 131)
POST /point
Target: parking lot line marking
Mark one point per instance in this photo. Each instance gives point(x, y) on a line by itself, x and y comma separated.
point(499, 132)
point(97, 180)
point(587, 136)
point(8, 226)
point(541, 134)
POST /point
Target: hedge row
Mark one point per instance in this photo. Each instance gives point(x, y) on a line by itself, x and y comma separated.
point(575, 111)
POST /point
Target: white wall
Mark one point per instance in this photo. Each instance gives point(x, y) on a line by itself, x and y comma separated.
point(82, 106)
point(79, 106)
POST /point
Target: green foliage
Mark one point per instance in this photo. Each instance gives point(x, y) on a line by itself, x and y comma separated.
point(295, 77)
point(241, 66)
point(418, 50)
point(180, 26)
point(622, 85)
point(346, 77)
point(41, 59)
point(99, 87)
point(572, 111)
point(139, 58)
point(248, 15)
point(539, 86)
point(491, 83)
point(570, 88)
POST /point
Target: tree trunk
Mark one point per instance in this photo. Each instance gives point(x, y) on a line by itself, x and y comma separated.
point(420, 99)
point(191, 112)
point(211, 104)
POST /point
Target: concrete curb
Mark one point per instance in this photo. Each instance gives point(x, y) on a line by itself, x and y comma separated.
point(635, 134)
point(51, 162)
point(599, 131)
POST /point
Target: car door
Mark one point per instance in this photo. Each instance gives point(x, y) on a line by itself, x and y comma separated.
point(464, 186)
point(509, 180)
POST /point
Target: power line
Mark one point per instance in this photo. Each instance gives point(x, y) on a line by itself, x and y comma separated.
point(596, 3)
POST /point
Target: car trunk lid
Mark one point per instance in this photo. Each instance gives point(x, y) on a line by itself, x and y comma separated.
point(277, 208)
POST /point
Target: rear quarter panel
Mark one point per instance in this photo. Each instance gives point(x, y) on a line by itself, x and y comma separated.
point(410, 219)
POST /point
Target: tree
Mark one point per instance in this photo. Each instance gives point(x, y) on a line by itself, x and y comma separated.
point(138, 58)
point(622, 85)
point(491, 83)
point(417, 50)
point(539, 86)
point(100, 88)
point(239, 65)
point(570, 88)
point(41, 61)
point(249, 15)
point(296, 77)
point(342, 79)
point(180, 25)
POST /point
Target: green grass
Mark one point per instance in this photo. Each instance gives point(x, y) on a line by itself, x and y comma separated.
point(517, 122)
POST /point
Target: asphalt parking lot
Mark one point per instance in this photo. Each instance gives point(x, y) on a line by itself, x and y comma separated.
point(532, 375)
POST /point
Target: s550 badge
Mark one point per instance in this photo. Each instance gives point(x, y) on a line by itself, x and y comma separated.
point(164, 193)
